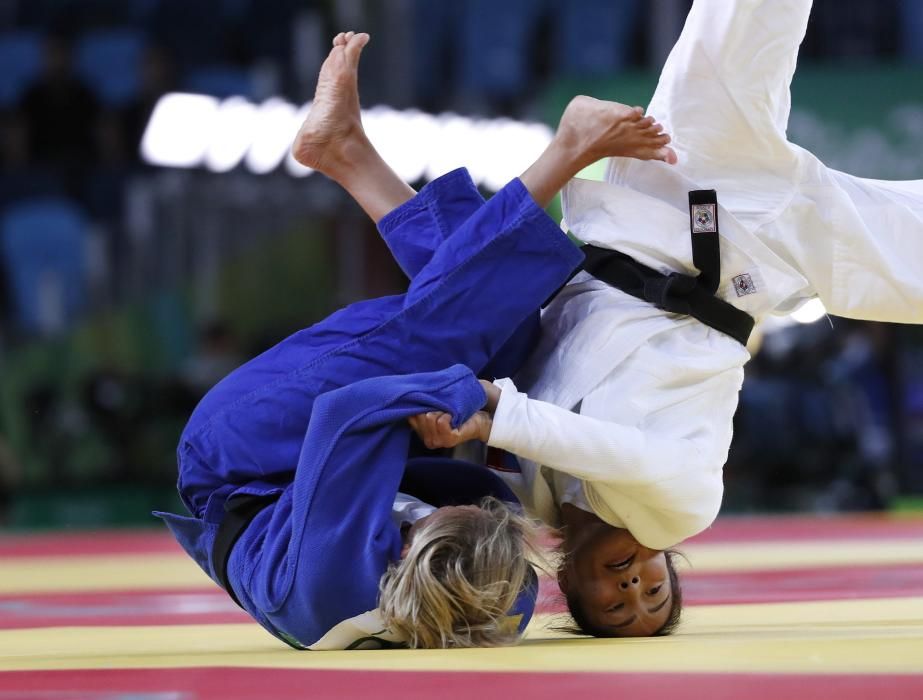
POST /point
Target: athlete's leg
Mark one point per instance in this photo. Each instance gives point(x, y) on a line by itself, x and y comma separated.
point(477, 287)
point(333, 142)
point(724, 96)
point(480, 284)
point(502, 263)
point(732, 63)
point(591, 128)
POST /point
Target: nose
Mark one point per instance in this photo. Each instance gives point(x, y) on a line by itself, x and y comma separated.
point(626, 583)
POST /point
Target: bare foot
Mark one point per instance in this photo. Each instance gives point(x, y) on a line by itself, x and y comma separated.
point(333, 124)
point(599, 129)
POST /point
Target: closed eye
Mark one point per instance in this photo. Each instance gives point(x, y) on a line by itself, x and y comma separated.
point(626, 623)
point(622, 564)
point(659, 606)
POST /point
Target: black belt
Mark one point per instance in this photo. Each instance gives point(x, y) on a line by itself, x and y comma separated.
point(239, 512)
point(675, 292)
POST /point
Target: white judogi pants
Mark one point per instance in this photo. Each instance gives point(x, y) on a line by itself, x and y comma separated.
point(724, 96)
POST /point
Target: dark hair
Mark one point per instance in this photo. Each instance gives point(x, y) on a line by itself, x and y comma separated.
point(582, 624)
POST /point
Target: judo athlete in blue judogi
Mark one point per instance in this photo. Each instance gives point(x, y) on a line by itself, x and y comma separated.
point(290, 466)
point(317, 425)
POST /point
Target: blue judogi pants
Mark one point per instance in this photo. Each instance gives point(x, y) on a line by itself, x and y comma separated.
point(320, 419)
point(470, 290)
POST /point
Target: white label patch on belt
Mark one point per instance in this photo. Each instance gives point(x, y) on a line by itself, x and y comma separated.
point(703, 218)
point(744, 285)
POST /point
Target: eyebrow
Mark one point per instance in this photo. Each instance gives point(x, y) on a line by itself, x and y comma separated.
point(664, 602)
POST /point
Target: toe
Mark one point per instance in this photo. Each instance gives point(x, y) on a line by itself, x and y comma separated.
point(355, 46)
point(339, 39)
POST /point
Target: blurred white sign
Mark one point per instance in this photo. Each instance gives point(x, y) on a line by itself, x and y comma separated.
point(191, 131)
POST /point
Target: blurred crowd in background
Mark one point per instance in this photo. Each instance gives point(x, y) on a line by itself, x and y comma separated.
point(128, 290)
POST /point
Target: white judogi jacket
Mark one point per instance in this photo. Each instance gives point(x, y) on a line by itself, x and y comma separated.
point(637, 403)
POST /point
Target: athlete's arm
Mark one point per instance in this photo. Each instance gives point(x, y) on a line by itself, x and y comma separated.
point(587, 447)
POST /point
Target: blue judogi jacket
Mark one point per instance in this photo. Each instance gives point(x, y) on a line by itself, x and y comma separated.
point(320, 420)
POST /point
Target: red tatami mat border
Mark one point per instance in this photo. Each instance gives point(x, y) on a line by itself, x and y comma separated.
point(279, 684)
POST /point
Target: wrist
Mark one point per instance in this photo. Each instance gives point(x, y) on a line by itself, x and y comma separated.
point(486, 424)
point(492, 392)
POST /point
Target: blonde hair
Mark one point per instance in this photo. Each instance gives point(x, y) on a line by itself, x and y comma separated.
point(462, 574)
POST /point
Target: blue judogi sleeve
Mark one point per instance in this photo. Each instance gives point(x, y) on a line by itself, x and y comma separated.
point(330, 537)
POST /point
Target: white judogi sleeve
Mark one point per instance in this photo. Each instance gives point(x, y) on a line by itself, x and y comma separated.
point(585, 447)
point(662, 481)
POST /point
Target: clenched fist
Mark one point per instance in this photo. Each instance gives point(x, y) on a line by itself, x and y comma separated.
point(435, 429)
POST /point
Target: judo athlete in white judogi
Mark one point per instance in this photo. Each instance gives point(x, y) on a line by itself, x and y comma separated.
point(622, 418)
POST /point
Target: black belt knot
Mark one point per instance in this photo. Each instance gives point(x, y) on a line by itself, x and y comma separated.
point(676, 292)
point(670, 292)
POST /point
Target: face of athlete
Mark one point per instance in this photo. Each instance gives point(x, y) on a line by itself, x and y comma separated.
point(622, 586)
